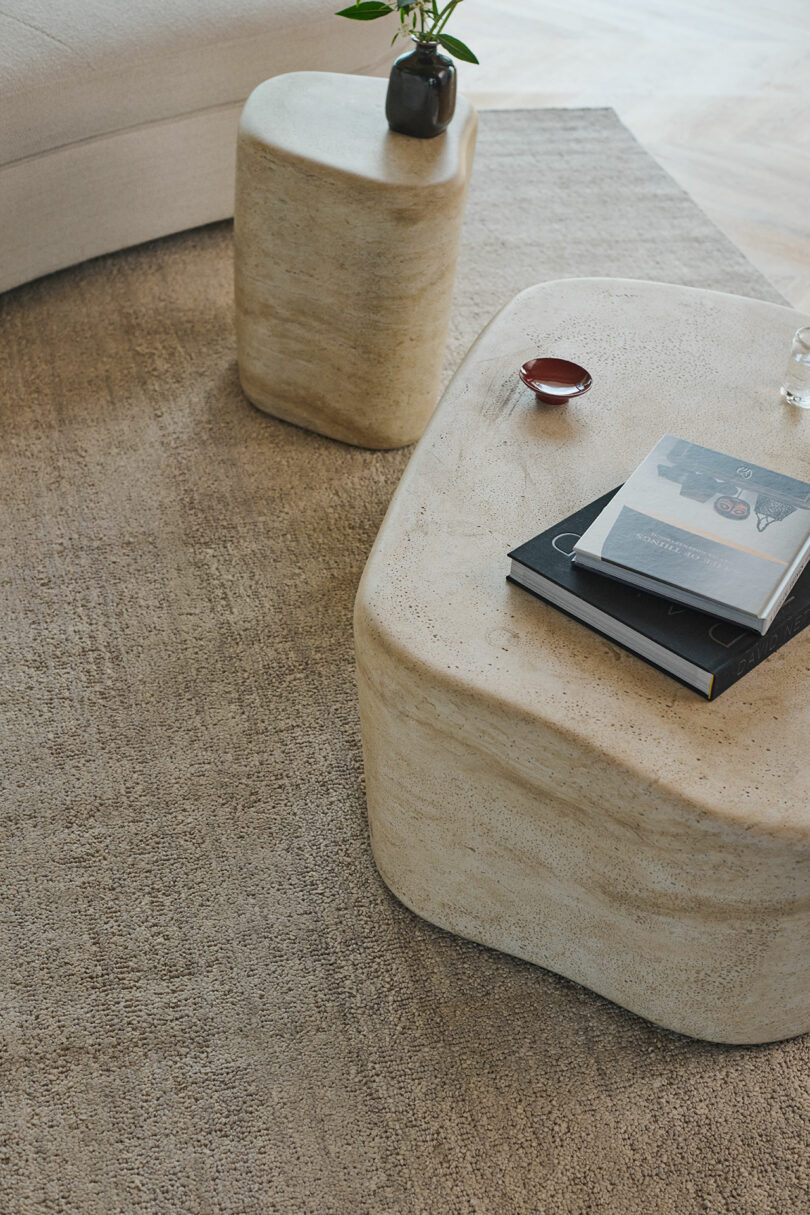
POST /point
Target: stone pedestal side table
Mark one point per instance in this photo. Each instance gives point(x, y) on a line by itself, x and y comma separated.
point(531, 785)
point(346, 241)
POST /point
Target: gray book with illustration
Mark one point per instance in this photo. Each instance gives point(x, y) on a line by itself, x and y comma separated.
point(708, 530)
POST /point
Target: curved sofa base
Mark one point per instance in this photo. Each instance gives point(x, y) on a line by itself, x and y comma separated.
point(106, 193)
point(117, 190)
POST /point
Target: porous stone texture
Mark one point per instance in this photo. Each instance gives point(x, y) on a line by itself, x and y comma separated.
point(346, 239)
point(534, 787)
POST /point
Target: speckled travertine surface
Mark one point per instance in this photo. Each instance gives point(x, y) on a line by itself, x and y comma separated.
point(534, 787)
point(346, 239)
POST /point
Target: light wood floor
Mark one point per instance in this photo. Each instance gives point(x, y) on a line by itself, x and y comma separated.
point(717, 90)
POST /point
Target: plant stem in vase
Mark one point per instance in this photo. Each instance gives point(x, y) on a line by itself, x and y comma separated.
point(422, 87)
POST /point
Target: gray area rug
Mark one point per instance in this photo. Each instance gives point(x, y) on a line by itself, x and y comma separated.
point(210, 1002)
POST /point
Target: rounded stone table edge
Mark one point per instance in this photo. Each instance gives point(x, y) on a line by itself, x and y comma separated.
point(734, 887)
point(434, 875)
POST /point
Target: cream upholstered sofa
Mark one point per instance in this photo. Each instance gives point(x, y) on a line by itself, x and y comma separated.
point(118, 120)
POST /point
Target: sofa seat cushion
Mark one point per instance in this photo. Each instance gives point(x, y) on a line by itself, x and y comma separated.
point(84, 68)
point(118, 121)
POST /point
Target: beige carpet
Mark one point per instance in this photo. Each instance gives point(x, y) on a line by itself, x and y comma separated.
point(210, 1003)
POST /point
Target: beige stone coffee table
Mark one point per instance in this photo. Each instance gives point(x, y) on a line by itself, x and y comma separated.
point(531, 785)
point(346, 239)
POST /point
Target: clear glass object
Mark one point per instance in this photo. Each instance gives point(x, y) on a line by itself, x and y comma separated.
point(796, 384)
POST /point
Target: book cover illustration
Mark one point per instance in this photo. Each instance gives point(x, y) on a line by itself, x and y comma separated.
point(689, 517)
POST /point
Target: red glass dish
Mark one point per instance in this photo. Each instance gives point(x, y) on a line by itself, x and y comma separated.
point(555, 380)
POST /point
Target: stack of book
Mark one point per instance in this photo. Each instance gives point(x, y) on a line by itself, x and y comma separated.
point(696, 563)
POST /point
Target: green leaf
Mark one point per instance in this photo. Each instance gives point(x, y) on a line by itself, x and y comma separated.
point(368, 10)
point(456, 48)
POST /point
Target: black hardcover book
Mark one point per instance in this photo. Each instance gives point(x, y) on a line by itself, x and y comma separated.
point(701, 651)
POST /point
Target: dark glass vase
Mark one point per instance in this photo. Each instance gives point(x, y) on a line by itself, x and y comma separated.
point(421, 92)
